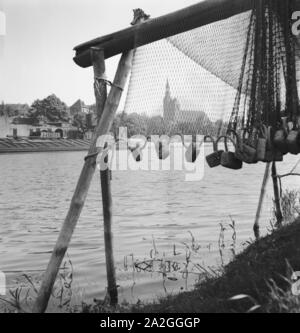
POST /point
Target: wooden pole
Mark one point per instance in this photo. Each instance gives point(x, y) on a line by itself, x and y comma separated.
point(278, 212)
point(200, 14)
point(261, 200)
point(83, 184)
point(101, 95)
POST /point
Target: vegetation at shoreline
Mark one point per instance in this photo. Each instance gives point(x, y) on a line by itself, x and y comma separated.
point(258, 279)
point(143, 124)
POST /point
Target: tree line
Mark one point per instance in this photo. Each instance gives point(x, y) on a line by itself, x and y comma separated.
point(52, 109)
point(141, 124)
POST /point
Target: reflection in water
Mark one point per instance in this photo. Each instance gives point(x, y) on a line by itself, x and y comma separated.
point(149, 208)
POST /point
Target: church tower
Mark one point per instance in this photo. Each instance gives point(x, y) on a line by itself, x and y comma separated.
point(169, 107)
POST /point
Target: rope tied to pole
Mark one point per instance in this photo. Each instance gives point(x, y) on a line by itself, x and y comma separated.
point(91, 156)
point(104, 150)
point(107, 82)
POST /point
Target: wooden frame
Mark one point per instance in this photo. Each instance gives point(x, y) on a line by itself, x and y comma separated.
point(152, 30)
point(93, 54)
point(83, 183)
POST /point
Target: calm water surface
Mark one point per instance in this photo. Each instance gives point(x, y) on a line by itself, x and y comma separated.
point(152, 210)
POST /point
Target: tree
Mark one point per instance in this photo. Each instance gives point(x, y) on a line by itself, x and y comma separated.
point(156, 126)
point(135, 123)
point(2, 109)
point(204, 125)
point(79, 121)
point(116, 124)
point(50, 108)
point(220, 127)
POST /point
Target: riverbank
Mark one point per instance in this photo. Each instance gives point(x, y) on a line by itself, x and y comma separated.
point(257, 280)
point(262, 271)
point(24, 145)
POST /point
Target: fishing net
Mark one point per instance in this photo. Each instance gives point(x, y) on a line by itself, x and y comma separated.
point(187, 82)
point(230, 74)
point(267, 87)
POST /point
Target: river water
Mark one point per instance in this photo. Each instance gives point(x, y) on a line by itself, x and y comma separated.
point(156, 214)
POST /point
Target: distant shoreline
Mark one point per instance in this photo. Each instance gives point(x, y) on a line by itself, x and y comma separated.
point(27, 145)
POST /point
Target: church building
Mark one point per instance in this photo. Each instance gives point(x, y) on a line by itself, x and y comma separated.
point(172, 112)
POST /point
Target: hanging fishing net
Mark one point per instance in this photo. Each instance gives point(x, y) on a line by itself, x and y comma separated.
point(236, 77)
point(267, 86)
point(188, 82)
point(265, 116)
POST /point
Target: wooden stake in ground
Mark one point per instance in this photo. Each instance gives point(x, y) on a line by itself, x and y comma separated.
point(100, 86)
point(278, 211)
point(261, 200)
point(83, 184)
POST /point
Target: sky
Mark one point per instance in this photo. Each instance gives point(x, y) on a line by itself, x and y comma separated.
point(37, 39)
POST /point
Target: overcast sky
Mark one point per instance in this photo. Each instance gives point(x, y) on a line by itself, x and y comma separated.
point(36, 51)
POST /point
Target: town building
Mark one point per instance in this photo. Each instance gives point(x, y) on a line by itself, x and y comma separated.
point(172, 112)
point(14, 122)
point(79, 107)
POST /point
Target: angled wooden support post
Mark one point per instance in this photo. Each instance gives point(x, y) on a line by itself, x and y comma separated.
point(83, 184)
point(100, 87)
point(261, 201)
point(278, 212)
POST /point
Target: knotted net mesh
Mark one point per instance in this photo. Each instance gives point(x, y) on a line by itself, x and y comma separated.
point(230, 73)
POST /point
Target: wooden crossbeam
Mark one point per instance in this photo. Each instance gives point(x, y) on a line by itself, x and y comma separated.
point(152, 30)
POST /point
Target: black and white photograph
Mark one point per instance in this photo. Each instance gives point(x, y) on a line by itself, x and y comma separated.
point(150, 159)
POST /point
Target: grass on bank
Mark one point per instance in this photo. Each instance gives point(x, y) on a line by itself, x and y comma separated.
point(257, 280)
